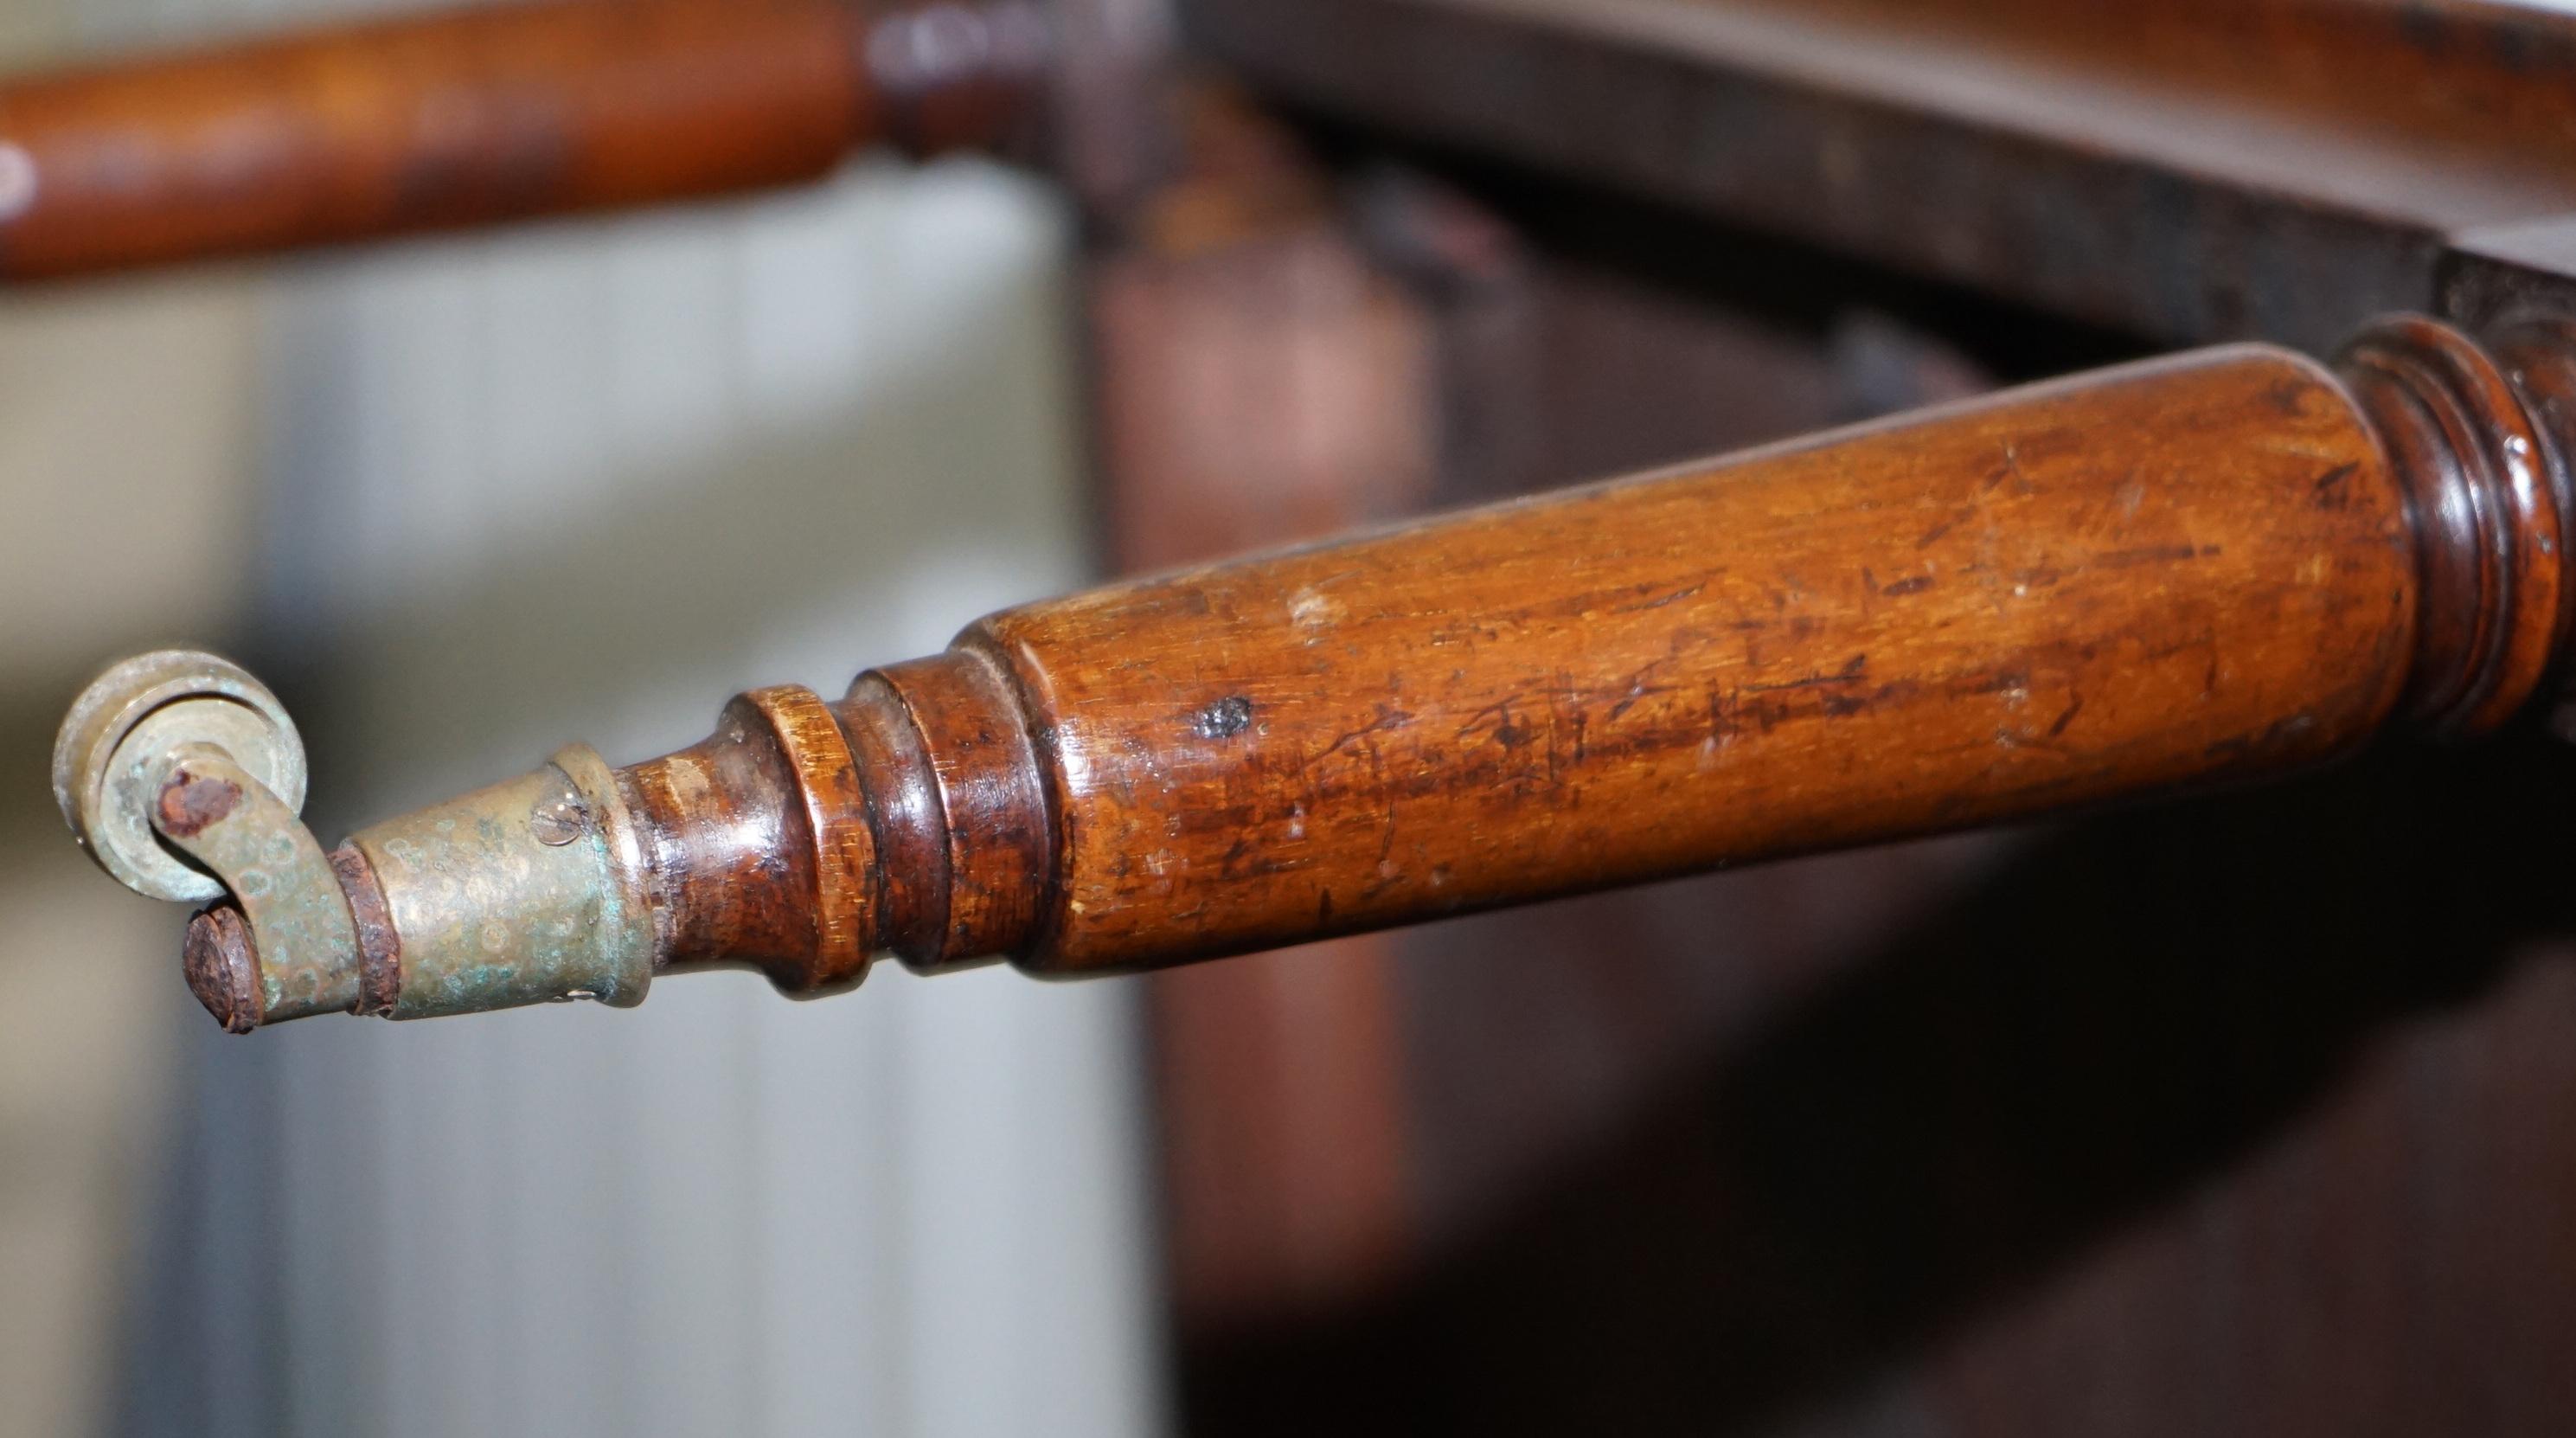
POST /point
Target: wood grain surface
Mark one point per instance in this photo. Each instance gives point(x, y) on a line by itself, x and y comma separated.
point(2175, 573)
point(2222, 566)
point(446, 121)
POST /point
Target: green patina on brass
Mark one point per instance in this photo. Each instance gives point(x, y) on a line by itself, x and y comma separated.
point(115, 744)
point(251, 841)
point(526, 892)
point(182, 775)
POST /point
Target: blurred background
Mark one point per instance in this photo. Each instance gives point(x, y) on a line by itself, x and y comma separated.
point(2249, 1114)
point(461, 502)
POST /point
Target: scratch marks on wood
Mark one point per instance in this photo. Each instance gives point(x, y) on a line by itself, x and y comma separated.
point(2067, 596)
point(1853, 668)
point(2154, 554)
point(2333, 489)
point(1388, 718)
point(1675, 597)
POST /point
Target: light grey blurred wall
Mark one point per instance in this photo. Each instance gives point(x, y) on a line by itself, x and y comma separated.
point(482, 496)
point(127, 464)
point(125, 468)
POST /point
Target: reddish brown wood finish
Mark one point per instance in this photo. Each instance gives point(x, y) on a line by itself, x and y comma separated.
point(730, 849)
point(991, 816)
point(1257, 381)
point(2218, 567)
point(1924, 626)
point(2488, 504)
point(456, 120)
point(833, 816)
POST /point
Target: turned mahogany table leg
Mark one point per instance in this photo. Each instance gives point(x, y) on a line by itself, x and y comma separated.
point(441, 122)
point(2218, 567)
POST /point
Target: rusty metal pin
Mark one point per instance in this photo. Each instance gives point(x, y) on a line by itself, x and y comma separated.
point(222, 967)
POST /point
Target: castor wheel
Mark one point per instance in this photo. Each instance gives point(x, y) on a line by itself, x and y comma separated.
point(117, 743)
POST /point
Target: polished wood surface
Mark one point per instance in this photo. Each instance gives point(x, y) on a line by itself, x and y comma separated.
point(482, 116)
point(2223, 566)
point(1922, 626)
point(1258, 380)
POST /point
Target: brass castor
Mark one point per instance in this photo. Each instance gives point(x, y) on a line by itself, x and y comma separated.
point(117, 743)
